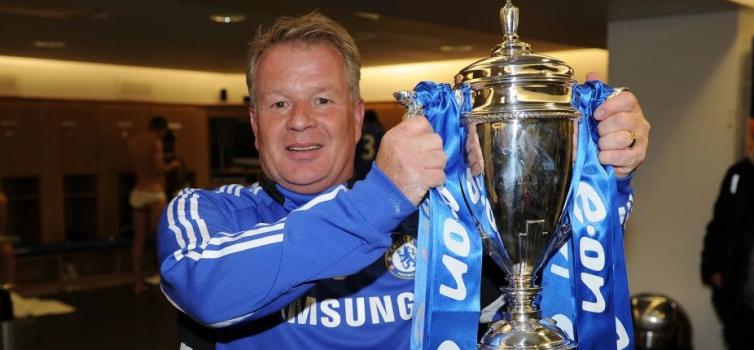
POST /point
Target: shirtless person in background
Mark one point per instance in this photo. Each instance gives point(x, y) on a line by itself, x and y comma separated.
point(148, 196)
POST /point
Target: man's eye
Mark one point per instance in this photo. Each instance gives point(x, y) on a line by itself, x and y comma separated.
point(278, 104)
point(323, 101)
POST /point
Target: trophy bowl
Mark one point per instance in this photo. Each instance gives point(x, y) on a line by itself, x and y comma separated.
point(521, 125)
point(527, 171)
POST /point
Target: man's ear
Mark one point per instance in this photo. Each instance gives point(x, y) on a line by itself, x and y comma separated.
point(254, 128)
point(358, 119)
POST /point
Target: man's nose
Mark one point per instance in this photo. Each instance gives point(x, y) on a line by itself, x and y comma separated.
point(301, 118)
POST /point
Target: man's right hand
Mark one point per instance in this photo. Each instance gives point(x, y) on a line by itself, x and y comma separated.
point(411, 155)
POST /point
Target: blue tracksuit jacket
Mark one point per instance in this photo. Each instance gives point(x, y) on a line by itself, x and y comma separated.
point(324, 271)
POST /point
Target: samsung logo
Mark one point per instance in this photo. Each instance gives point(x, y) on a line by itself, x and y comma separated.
point(353, 312)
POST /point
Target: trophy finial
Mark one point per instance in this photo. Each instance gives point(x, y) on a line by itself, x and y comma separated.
point(509, 19)
point(509, 22)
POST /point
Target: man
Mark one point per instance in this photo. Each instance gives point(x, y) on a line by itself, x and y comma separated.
point(299, 260)
point(148, 195)
point(727, 258)
point(366, 149)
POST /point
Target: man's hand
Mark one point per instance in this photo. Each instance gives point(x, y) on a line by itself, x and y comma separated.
point(623, 130)
point(411, 156)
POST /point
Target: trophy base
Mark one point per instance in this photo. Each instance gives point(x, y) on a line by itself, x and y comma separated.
point(531, 334)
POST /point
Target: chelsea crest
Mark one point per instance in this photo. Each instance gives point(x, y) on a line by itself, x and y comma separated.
point(400, 258)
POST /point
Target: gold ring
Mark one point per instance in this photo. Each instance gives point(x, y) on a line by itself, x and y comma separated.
point(617, 91)
point(633, 139)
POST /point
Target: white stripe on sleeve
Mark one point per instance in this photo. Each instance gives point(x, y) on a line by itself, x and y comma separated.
point(243, 234)
point(236, 240)
point(321, 198)
point(185, 223)
point(235, 248)
point(173, 227)
point(199, 221)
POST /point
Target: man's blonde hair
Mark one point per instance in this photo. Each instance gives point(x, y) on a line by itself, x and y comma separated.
point(312, 28)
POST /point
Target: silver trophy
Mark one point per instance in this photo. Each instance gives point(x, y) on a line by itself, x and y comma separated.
point(523, 121)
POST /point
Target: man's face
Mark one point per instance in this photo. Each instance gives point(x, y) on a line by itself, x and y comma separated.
point(305, 122)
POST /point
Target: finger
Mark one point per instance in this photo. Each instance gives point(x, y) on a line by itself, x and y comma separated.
point(477, 168)
point(619, 158)
point(617, 140)
point(428, 142)
point(621, 172)
point(435, 178)
point(618, 122)
point(473, 156)
point(473, 147)
point(475, 164)
point(432, 160)
point(591, 76)
point(415, 125)
point(623, 102)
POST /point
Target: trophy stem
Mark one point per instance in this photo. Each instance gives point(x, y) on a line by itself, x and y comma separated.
point(524, 328)
point(520, 296)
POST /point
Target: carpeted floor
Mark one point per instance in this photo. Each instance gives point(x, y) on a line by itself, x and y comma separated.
point(106, 318)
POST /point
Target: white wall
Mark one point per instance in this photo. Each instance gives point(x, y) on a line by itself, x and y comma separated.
point(30, 77)
point(689, 73)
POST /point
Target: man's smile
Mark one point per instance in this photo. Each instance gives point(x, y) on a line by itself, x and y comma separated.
point(304, 147)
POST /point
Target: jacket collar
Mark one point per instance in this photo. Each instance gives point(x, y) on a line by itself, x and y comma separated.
point(289, 199)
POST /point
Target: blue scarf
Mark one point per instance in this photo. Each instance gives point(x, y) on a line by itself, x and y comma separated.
point(449, 250)
point(585, 284)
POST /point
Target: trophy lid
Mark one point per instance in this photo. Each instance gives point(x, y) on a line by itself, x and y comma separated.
point(514, 82)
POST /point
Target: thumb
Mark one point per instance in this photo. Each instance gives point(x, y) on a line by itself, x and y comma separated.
point(593, 76)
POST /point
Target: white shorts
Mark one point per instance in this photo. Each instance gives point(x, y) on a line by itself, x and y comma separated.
point(140, 199)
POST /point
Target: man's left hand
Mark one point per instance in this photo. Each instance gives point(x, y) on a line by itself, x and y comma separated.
point(623, 130)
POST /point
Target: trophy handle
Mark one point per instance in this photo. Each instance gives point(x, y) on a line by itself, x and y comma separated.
point(406, 98)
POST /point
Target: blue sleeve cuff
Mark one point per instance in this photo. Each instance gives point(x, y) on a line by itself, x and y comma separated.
point(380, 201)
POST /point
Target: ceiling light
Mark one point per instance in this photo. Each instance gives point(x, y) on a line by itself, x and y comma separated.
point(50, 44)
point(749, 3)
point(456, 48)
point(371, 16)
point(43, 11)
point(227, 18)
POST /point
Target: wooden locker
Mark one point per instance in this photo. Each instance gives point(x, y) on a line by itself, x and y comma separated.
point(72, 150)
point(118, 123)
point(24, 169)
point(21, 138)
point(75, 136)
